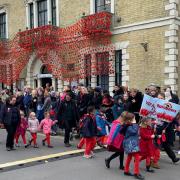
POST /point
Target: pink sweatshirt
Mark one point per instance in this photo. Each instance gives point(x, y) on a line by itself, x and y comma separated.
point(46, 125)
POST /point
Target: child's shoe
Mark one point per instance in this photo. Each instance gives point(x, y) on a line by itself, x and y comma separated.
point(26, 145)
point(43, 142)
point(87, 156)
point(92, 154)
point(17, 145)
point(128, 174)
point(155, 165)
point(139, 176)
point(36, 146)
point(148, 169)
point(49, 146)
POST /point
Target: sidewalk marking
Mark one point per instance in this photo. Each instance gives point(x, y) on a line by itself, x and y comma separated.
point(42, 158)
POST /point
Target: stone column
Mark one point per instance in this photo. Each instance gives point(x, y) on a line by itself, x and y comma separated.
point(57, 13)
point(49, 12)
point(39, 82)
point(54, 83)
point(27, 17)
point(93, 71)
point(60, 85)
point(35, 14)
point(112, 75)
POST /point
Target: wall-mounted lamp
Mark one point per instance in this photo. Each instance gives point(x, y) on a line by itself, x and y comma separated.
point(145, 46)
point(118, 19)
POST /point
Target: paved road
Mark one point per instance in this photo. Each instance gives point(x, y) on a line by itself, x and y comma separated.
point(79, 168)
point(73, 168)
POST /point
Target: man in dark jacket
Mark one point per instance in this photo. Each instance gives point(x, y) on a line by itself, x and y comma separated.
point(11, 119)
point(68, 116)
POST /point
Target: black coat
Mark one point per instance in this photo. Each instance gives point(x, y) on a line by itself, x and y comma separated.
point(136, 106)
point(2, 109)
point(68, 114)
point(89, 127)
point(10, 115)
point(83, 103)
point(19, 102)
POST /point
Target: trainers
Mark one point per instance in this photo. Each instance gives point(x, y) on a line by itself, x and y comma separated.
point(17, 145)
point(26, 145)
point(155, 165)
point(43, 142)
point(139, 176)
point(8, 149)
point(13, 149)
point(179, 152)
point(92, 154)
point(67, 145)
point(87, 156)
point(149, 170)
point(36, 146)
point(176, 160)
point(121, 167)
point(49, 146)
point(128, 174)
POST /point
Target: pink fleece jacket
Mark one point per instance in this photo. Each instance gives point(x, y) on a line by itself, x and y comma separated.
point(46, 125)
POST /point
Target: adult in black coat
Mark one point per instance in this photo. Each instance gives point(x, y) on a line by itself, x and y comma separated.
point(68, 116)
point(136, 99)
point(83, 101)
point(11, 119)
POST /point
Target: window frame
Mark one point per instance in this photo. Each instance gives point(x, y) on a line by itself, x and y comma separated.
point(104, 6)
point(3, 24)
point(102, 80)
point(31, 15)
point(42, 13)
point(118, 67)
point(53, 12)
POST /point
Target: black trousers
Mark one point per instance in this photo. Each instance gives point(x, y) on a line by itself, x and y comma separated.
point(67, 128)
point(11, 131)
point(115, 155)
point(168, 150)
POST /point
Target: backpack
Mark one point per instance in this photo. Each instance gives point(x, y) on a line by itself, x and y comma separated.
point(115, 139)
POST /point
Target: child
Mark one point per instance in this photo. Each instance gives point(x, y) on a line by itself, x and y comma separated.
point(115, 140)
point(118, 107)
point(46, 124)
point(101, 123)
point(33, 125)
point(146, 142)
point(131, 146)
point(89, 131)
point(21, 130)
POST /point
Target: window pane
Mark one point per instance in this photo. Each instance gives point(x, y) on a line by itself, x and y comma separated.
point(53, 5)
point(42, 13)
point(3, 25)
point(31, 15)
point(103, 5)
point(118, 67)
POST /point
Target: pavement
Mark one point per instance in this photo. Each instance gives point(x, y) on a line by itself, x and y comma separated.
point(67, 164)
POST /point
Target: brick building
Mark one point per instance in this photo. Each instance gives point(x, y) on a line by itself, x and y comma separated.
point(145, 34)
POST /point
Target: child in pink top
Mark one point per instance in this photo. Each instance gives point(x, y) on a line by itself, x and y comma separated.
point(46, 125)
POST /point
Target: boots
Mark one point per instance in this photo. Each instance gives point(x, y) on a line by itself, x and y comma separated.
point(149, 170)
point(107, 163)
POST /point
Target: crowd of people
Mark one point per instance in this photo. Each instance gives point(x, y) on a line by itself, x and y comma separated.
point(97, 117)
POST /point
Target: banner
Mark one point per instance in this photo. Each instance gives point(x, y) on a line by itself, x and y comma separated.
point(159, 108)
